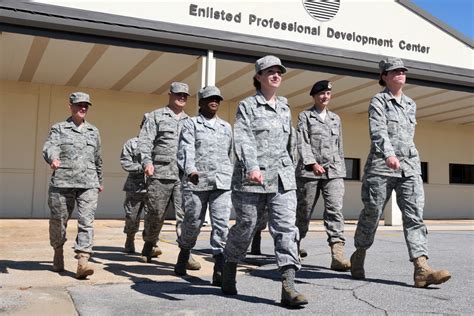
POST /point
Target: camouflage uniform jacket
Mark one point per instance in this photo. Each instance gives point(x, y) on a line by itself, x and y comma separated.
point(158, 142)
point(265, 141)
point(207, 150)
point(392, 128)
point(78, 151)
point(130, 161)
point(320, 141)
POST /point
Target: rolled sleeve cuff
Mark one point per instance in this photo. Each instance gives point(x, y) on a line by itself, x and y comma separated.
point(252, 168)
point(190, 170)
point(309, 162)
point(389, 153)
point(146, 162)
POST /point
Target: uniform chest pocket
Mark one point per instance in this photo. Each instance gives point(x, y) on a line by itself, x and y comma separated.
point(393, 122)
point(261, 125)
point(335, 131)
point(92, 143)
point(68, 150)
point(316, 130)
point(392, 116)
point(166, 129)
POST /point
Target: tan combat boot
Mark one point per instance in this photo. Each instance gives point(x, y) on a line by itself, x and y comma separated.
point(289, 295)
point(58, 260)
point(425, 276)
point(156, 251)
point(339, 263)
point(357, 264)
point(193, 264)
point(83, 268)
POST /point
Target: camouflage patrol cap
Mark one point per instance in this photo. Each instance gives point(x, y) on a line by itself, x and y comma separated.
point(78, 97)
point(391, 63)
point(267, 62)
point(209, 91)
point(320, 86)
point(179, 87)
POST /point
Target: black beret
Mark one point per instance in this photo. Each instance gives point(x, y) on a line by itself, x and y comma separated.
point(320, 86)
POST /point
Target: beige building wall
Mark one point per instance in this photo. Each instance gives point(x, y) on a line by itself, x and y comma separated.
point(27, 112)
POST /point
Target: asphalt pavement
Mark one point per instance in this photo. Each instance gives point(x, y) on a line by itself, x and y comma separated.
point(123, 285)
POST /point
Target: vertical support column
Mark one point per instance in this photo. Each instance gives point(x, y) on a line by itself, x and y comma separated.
point(392, 213)
point(41, 170)
point(210, 69)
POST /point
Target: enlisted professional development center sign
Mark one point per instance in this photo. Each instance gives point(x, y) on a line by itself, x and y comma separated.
point(318, 9)
point(382, 27)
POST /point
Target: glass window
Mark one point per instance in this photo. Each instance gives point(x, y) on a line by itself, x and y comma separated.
point(352, 168)
point(424, 171)
point(460, 173)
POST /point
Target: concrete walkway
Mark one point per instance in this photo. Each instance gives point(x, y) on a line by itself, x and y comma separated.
point(122, 284)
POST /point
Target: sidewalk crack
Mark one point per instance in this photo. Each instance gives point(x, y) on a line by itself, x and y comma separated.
point(354, 294)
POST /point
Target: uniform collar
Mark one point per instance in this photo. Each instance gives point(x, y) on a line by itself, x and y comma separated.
point(71, 125)
point(389, 97)
point(329, 115)
point(167, 110)
point(202, 120)
point(262, 101)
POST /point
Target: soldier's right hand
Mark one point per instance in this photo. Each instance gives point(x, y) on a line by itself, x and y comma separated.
point(255, 176)
point(318, 169)
point(55, 164)
point(392, 162)
point(193, 178)
point(149, 170)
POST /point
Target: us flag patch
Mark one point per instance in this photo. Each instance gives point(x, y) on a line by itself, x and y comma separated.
point(322, 10)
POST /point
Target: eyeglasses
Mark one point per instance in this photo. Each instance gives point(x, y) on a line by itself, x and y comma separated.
point(180, 95)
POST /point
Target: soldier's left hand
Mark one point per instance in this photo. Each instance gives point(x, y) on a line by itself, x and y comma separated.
point(55, 164)
point(101, 188)
point(194, 178)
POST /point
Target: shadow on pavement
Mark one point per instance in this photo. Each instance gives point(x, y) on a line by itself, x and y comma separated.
point(319, 272)
point(167, 289)
point(31, 266)
point(116, 254)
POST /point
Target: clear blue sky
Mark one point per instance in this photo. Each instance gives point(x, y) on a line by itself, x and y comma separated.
point(458, 14)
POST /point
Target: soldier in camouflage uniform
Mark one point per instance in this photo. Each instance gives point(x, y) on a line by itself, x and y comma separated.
point(158, 145)
point(394, 164)
point(135, 189)
point(205, 158)
point(321, 168)
point(73, 151)
point(264, 176)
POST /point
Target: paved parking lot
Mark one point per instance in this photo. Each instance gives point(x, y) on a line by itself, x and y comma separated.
point(123, 285)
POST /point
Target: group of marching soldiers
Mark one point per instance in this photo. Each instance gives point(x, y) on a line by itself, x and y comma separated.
point(267, 171)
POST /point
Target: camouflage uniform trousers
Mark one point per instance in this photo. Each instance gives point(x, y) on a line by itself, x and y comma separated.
point(195, 206)
point(308, 193)
point(161, 193)
point(61, 202)
point(376, 191)
point(281, 208)
point(133, 205)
